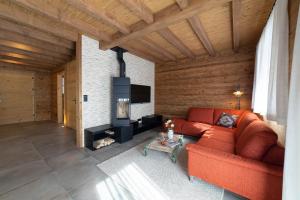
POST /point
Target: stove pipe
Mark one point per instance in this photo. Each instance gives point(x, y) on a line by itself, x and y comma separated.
point(121, 61)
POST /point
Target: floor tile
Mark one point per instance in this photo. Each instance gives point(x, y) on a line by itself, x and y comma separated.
point(17, 151)
point(45, 188)
point(22, 174)
point(74, 176)
point(67, 159)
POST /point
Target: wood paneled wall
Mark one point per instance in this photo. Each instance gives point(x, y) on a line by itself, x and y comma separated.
point(42, 91)
point(204, 82)
point(16, 94)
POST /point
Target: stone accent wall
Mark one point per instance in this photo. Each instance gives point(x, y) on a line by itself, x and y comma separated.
point(98, 68)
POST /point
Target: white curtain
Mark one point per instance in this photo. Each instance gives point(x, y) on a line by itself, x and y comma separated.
point(270, 88)
point(291, 176)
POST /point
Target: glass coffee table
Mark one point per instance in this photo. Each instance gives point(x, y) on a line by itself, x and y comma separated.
point(161, 143)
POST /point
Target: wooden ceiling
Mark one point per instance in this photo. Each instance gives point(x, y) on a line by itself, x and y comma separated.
point(42, 33)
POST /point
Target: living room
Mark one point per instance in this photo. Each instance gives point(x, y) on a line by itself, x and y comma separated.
point(145, 99)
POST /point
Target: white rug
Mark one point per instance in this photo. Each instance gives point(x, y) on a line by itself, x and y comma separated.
point(155, 177)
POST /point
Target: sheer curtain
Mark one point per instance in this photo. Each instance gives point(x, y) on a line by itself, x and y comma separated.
point(270, 88)
point(291, 176)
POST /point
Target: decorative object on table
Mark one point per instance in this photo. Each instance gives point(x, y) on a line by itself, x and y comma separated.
point(162, 143)
point(103, 142)
point(170, 126)
point(227, 120)
point(238, 94)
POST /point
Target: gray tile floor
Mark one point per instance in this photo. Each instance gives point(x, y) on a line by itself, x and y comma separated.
point(40, 161)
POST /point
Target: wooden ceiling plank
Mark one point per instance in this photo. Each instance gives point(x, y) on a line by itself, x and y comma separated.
point(22, 67)
point(17, 14)
point(102, 15)
point(45, 8)
point(175, 41)
point(30, 62)
point(164, 20)
point(29, 48)
point(236, 11)
point(138, 8)
point(9, 35)
point(198, 29)
point(31, 55)
point(35, 33)
point(155, 47)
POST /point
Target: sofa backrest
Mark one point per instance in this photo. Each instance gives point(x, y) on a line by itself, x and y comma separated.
point(246, 118)
point(256, 140)
point(218, 112)
point(203, 115)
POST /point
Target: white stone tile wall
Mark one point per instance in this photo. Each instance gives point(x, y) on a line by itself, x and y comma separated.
point(98, 68)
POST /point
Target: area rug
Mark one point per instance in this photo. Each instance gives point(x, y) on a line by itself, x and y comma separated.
point(155, 176)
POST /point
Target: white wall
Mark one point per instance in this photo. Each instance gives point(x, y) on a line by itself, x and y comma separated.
point(98, 68)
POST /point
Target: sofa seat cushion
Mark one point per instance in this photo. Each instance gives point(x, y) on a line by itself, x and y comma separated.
point(220, 133)
point(194, 128)
point(216, 145)
point(219, 112)
point(245, 120)
point(202, 115)
point(178, 122)
point(256, 140)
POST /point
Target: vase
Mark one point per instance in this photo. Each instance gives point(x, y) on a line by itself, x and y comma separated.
point(170, 134)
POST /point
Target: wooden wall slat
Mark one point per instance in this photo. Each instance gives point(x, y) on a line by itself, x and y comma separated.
point(204, 82)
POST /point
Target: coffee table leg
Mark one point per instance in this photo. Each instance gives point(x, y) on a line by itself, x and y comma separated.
point(145, 151)
point(174, 154)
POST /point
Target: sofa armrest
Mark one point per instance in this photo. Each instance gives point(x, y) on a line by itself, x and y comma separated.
point(236, 160)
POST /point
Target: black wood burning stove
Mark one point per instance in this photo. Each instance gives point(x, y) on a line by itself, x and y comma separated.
point(120, 112)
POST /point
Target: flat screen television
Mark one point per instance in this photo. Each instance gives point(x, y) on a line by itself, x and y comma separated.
point(140, 93)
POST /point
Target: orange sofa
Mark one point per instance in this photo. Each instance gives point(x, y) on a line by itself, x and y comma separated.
point(245, 159)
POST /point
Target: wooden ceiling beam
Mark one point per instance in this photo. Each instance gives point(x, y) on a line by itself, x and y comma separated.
point(28, 58)
point(35, 33)
point(45, 8)
point(236, 12)
point(138, 8)
point(201, 34)
point(152, 51)
point(31, 55)
point(29, 62)
point(140, 53)
point(29, 48)
point(22, 63)
point(7, 65)
point(175, 41)
point(11, 36)
point(12, 12)
point(198, 29)
point(155, 47)
point(102, 15)
point(167, 18)
point(14, 57)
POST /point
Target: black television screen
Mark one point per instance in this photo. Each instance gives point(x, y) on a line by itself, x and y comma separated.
point(140, 93)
